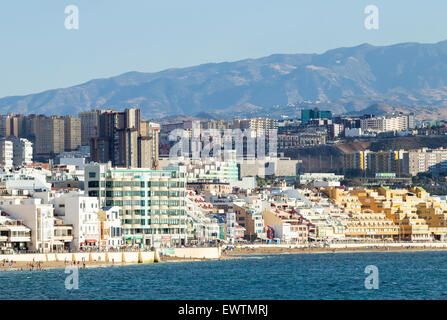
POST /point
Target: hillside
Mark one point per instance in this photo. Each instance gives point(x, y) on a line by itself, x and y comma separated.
point(408, 143)
point(409, 75)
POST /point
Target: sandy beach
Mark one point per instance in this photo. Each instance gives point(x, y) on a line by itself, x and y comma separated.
point(27, 266)
point(283, 250)
point(22, 265)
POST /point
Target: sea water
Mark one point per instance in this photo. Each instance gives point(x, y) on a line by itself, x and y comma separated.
point(401, 275)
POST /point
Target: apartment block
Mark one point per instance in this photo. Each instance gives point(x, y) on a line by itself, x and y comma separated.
point(82, 213)
point(356, 160)
point(426, 160)
point(90, 125)
point(399, 205)
point(376, 162)
point(393, 122)
point(22, 151)
point(250, 219)
point(35, 215)
point(371, 226)
point(72, 133)
point(258, 126)
point(6, 154)
point(126, 140)
point(151, 202)
point(148, 145)
point(11, 125)
point(49, 135)
point(307, 115)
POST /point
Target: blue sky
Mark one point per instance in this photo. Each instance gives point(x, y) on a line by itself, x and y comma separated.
point(116, 36)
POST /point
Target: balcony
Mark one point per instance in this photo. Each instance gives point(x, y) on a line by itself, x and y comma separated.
point(63, 238)
point(20, 239)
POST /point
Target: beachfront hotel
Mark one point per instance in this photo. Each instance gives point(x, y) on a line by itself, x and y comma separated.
point(418, 216)
point(151, 202)
point(371, 226)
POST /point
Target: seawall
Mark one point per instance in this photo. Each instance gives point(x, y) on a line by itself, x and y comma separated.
point(107, 257)
point(117, 257)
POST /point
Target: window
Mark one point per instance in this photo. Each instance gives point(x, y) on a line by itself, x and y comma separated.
point(93, 184)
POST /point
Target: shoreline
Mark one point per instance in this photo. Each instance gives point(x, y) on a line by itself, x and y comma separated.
point(47, 265)
point(307, 250)
point(229, 255)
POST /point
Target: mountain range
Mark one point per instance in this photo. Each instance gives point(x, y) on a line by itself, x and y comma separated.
point(407, 76)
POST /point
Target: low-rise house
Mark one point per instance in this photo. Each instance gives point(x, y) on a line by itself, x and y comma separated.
point(82, 213)
point(111, 228)
point(14, 235)
point(251, 220)
point(36, 216)
point(63, 235)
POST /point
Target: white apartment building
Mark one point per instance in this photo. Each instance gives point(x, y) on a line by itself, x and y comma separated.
point(6, 154)
point(231, 226)
point(258, 126)
point(201, 227)
point(26, 179)
point(388, 123)
point(22, 151)
point(14, 235)
point(284, 233)
point(35, 215)
point(353, 132)
point(321, 179)
point(423, 160)
point(111, 228)
point(82, 213)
